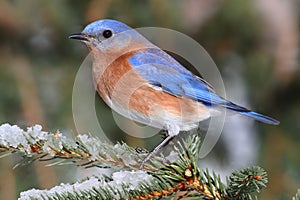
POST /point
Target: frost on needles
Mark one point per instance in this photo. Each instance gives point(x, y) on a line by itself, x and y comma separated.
point(176, 175)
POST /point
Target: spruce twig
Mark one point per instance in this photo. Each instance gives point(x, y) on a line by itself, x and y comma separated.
point(244, 184)
point(175, 176)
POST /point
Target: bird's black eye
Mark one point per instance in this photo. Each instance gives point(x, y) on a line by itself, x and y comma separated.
point(107, 33)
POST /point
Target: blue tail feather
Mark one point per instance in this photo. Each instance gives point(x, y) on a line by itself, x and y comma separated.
point(260, 117)
point(244, 111)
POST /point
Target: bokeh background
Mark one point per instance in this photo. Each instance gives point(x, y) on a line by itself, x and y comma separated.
point(255, 44)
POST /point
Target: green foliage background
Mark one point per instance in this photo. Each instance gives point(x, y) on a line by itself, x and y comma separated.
point(38, 65)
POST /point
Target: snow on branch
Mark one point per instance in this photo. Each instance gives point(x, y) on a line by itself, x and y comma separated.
point(35, 142)
point(174, 176)
point(107, 189)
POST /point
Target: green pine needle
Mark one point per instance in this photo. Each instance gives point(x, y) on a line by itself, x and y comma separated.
point(246, 183)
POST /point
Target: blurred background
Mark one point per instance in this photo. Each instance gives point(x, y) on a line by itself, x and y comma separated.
point(255, 44)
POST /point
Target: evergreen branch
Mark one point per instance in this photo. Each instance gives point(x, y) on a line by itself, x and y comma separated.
point(245, 183)
point(89, 151)
point(94, 188)
point(176, 175)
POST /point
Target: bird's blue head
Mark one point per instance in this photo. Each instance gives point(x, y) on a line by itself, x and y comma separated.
point(107, 34)
point(104, 29)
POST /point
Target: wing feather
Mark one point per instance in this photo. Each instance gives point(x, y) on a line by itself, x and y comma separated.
point(160, 69)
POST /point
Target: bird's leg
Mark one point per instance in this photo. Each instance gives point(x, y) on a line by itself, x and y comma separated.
point(156, 149)
point(172, 132)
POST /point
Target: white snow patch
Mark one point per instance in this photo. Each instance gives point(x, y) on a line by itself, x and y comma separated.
point(133, 178)
point(14, 136)
point(120, 179)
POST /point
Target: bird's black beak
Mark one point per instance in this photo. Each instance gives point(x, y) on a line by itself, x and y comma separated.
point(80, 36)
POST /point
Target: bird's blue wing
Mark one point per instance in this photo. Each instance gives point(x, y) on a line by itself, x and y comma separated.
point(163, 71)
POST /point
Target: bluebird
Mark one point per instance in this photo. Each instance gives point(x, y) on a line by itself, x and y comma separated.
point(144, 83)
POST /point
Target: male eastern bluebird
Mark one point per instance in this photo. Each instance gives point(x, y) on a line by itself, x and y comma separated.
point(144, 83)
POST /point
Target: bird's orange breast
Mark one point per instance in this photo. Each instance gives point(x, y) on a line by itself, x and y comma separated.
point(121, 85)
